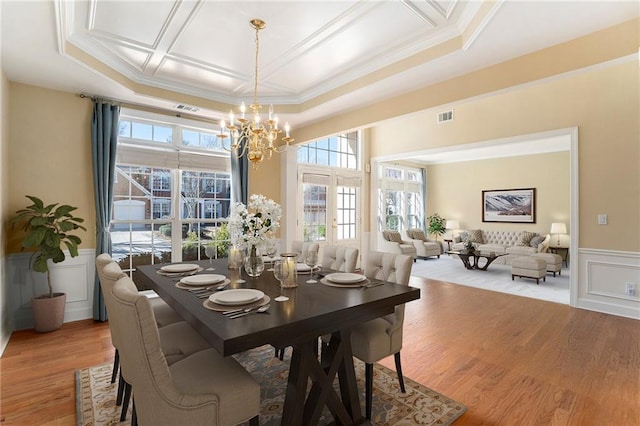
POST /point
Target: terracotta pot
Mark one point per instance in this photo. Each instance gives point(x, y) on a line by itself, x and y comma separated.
point(48, 312)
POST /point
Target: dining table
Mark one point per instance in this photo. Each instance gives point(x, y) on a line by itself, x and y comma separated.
point(312, 310)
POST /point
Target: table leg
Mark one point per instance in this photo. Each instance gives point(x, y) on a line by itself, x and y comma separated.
point(303, 409)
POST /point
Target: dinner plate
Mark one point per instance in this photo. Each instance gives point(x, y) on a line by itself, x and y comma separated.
point(193, 287)
point(345, 278)
point(303, 267)
point(239, 296)
point(223, 308)
point(344, 285)
point(179, 267)
point(267, 259)
point(202, 279)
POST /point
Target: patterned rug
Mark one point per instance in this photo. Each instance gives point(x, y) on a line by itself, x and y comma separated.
point(95, 395)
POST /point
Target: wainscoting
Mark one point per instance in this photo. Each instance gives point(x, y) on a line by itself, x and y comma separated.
point(75, 276)
point(603, 275)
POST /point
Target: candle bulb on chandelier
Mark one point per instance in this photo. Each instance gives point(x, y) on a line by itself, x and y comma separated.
point(222, 125)
point(286, 129)
point(242, 109)
point(270, 111)
point(256, 119)
point(275, 121)
point(231, 117)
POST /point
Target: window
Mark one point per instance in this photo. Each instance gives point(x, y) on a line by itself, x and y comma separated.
point(400, 200)
point(335, 151)
point(315, 212)
point(172, 175)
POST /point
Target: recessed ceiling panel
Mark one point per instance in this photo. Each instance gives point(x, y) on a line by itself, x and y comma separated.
point(136, 21)
point(195, 76)
point(133, 57)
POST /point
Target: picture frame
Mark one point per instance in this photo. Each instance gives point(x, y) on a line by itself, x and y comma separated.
point(509, 205)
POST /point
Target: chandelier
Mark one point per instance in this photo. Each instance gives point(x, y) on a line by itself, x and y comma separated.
point(252, 136)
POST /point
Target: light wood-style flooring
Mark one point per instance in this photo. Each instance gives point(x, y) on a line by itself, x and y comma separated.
point(509, 359)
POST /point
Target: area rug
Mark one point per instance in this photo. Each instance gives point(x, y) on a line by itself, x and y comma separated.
point(495, 278)
point(95, 395)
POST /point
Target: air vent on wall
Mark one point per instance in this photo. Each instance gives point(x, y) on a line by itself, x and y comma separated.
point(186, 108)
point(445, 116)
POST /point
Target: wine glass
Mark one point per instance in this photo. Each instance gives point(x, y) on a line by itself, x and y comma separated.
point(210, 250)
point(281, 273)
point(312, 261)
point(238, 260)
point(271, 251)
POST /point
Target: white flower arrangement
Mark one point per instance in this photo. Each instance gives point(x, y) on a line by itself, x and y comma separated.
point(250, 226)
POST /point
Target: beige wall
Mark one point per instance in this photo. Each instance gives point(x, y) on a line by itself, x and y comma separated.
point(455, 190)
point(602, 102)
point(265, 179)
point(50, 153)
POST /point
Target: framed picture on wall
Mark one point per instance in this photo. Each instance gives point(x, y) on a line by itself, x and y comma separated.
point(509, 205)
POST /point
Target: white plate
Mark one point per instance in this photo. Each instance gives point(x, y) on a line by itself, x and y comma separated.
point(203, 279)
point(179, 267)
point(240, 296)
point(267, 259)
point(302, 267)
point(345, 278)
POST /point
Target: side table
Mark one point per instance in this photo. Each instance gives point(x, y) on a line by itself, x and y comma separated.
point(448, 241)
point(563, 252)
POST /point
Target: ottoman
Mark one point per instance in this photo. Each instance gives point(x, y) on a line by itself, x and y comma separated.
point(554, 262)
point(529, 267)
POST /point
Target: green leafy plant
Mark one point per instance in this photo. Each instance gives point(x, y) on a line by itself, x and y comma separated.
point(47, 232)
point(436, 225)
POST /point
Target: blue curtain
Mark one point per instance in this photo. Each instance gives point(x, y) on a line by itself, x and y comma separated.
point(104, 138)
point(239, 177)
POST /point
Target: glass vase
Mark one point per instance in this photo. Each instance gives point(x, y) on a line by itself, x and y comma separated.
point(292, 280)
point(254, 264)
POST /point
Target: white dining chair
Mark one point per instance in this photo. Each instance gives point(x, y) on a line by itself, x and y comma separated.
point(376, 339)
point(338, 258)
point(203, 388)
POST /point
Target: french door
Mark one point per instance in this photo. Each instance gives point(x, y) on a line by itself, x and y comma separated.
point(330, 207)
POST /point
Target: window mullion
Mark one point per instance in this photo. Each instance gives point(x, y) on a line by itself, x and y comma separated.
point(176, 223)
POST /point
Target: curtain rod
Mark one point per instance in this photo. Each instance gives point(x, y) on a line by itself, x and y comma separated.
point(147, 108)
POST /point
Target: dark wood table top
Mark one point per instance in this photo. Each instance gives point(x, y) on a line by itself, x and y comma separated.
point(311, 311)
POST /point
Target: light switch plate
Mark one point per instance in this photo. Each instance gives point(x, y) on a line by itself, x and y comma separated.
point(602, 219)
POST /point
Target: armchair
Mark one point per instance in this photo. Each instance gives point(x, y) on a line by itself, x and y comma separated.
point(424, 247)
point(392, 242)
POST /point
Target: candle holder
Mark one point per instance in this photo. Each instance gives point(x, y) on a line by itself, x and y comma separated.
point(292, 280)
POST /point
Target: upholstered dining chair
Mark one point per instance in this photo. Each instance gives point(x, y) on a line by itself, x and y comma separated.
point(338, 258)
point(203, 388)
point(376, 339)
point(303, 248)
point(178, 339)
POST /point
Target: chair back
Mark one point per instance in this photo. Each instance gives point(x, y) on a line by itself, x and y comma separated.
point(109, 273)
point(302, 248)
point(392, 267)
point(338, 258)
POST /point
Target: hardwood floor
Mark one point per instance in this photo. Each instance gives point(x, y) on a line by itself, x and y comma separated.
point(509, 359)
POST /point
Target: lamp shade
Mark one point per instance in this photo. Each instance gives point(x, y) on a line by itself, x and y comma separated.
point(558, 228)
point(452, 224)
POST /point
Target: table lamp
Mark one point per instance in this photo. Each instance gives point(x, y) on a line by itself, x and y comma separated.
point(452, 225)
point(558, 228)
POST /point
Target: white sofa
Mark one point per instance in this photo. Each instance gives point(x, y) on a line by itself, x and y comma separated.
point(512, 243)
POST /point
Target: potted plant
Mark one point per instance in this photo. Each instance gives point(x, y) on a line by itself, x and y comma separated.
point(46, 233)
point(436, 225)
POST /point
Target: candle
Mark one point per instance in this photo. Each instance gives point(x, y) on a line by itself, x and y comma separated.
point(231, 117)
point(243, 108)
point(286, 129)
point(275, 121)
point(270, 111)
point(290, 260)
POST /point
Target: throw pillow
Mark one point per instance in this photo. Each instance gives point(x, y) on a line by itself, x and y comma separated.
point(525, 238)
point(419, 235)
point(395, 236)
point(535, 241)
point(475, 236)
point(464, 236)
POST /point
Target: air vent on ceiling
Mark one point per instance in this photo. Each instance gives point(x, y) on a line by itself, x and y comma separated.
point(445, 116)
point(186, 108)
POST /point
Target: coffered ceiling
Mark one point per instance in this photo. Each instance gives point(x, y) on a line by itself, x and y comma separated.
point(317, 58)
